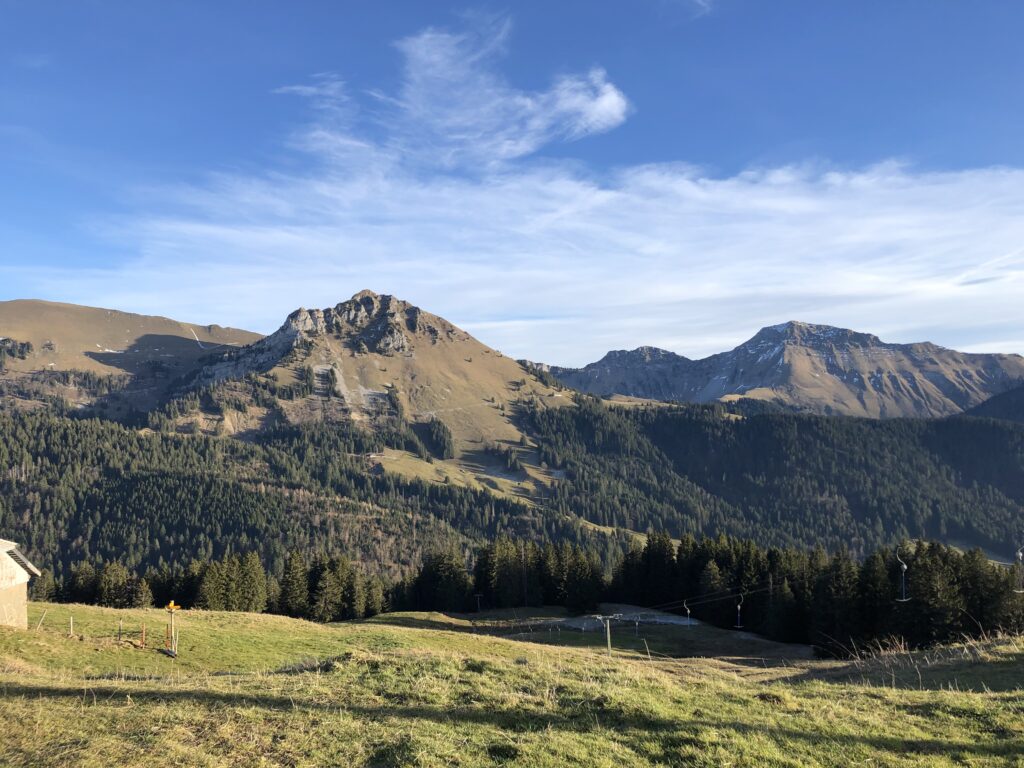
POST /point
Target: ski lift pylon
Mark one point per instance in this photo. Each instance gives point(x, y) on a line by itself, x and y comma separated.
point(739, 613)
point(903, 579)
point(1019, 589)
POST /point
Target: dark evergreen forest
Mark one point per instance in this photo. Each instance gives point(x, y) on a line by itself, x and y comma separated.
point(834, 603)
point(784, 479)
point(77, 489)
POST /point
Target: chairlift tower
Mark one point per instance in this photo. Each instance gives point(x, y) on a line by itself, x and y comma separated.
point(1019, 589)
point(607, 620)
point(903, 579)
point(739, 612)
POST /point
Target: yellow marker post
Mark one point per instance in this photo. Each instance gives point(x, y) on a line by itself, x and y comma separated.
point(172, 641)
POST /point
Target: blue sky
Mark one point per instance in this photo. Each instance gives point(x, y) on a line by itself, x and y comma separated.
point(558, 178)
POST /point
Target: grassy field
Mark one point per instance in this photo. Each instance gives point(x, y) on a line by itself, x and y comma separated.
point(433, 689)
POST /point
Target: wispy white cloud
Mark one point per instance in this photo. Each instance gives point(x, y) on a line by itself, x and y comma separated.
point(430, 193)
point(454, 108)
point(325, 92)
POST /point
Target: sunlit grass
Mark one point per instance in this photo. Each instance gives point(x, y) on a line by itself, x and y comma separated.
point(405, 690)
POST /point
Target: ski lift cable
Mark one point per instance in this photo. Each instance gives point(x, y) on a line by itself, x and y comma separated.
point(694, 597)
point(732, 595)
point(725, 592)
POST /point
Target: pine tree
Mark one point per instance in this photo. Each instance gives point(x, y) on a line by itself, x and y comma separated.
point(142, 596)
point(326, 603)
point(581, 583)
point(659, 566)
point(273, 594)
point(552, 576)
point(506, 580)
point(836, 605)
point(234, 595)
point(782, 622)
point(375, 602)
point(210, 595)
point(712, 585)
point(82, 584)
point(253, 583)
point(44, 588)
point(114, 586)
point(294, 599)
point(875, 596)
point(442, 583)
point(354, 595)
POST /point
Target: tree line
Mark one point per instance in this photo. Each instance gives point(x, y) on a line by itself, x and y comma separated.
point(323, 589)
point(505, 573)
point(833, 602)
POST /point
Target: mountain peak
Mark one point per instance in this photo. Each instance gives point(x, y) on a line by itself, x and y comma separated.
point(645, 354)
point(806, 366)
point(811, 334)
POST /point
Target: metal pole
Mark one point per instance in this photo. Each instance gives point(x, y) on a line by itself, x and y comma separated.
point(608, 635)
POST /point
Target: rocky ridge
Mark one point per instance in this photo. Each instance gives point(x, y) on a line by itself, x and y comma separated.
point(808, 367)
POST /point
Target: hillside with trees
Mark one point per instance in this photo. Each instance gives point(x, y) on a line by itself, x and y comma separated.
point(785, 479)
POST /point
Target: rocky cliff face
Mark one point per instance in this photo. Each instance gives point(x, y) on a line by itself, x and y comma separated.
point(372, 351)
point(815, 368)
point(367, 323)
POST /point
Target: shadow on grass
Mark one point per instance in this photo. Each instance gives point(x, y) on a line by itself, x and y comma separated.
point(598, 713)
point(1003, 675)
point(417, 622)
point(955, 749)
point(660, 737)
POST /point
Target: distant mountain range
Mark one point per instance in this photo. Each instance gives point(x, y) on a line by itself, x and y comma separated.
point(383, 426)
point(362, 349)
point(813, 368)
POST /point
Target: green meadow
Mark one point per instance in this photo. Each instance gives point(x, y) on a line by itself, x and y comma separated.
point(492, 689)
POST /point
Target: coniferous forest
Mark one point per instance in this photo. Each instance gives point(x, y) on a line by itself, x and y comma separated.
point(88, 489)
point(798, 514)
point(833, 602)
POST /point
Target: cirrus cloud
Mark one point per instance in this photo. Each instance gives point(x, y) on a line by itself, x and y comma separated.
point(431, 193)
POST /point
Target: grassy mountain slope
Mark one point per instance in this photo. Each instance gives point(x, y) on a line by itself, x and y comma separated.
point(370, 360)
point(371, 345)
point(420, 690)
point(142, 355)
point(811, 368)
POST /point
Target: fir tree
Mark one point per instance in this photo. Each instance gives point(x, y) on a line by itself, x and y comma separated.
point(44, 588)
point(294, 600)
point(114, 587)
point(142, 596)
point(253, 583)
